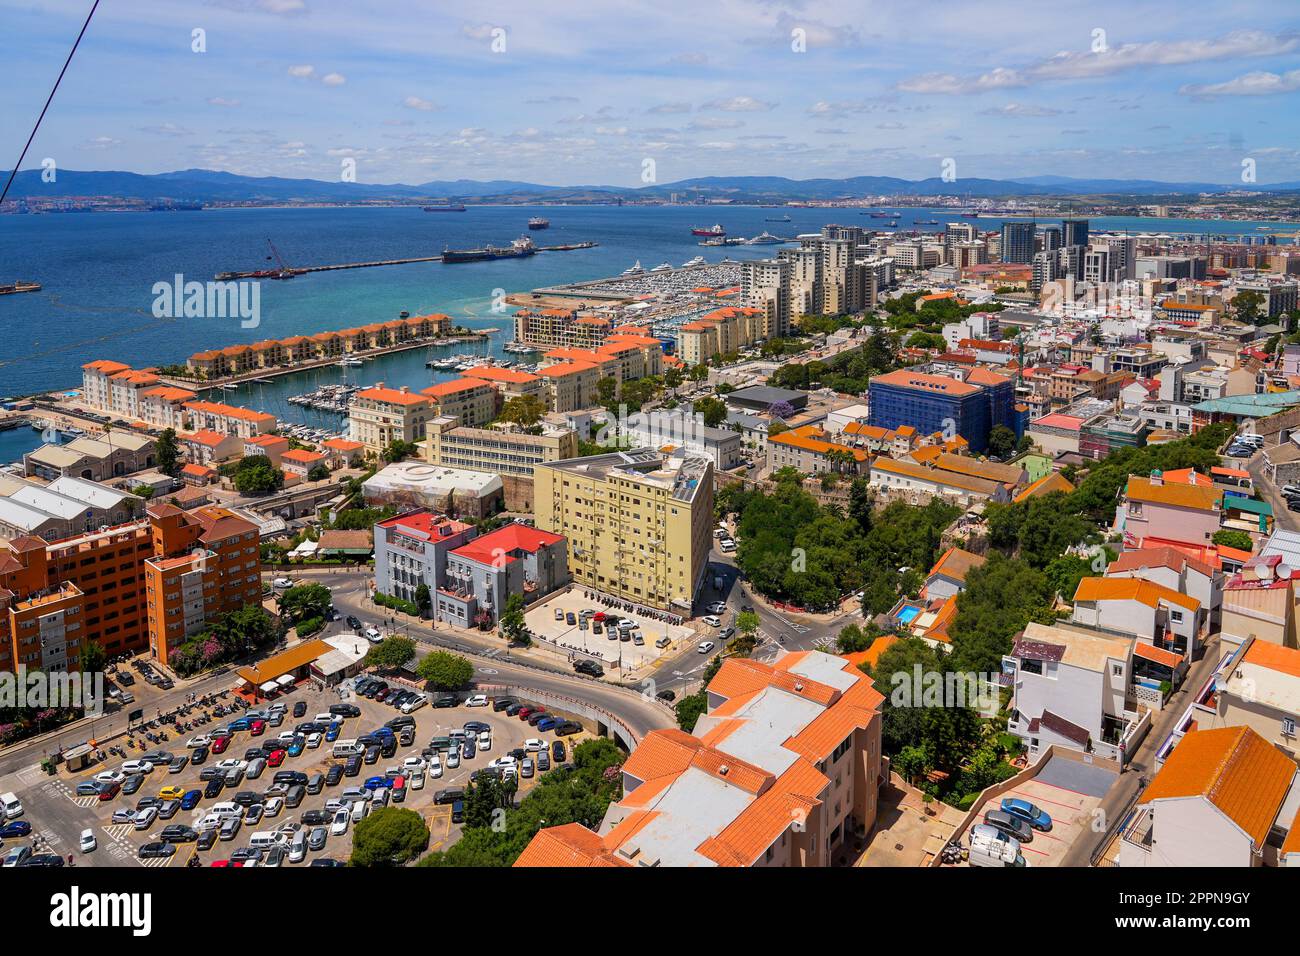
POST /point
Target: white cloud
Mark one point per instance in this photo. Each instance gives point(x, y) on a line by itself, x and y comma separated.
point(713, 122)
point(1020, 109)
point(739, 104)
point(417, 103)
point(333, 79)
point(222, 101)
point(302, 70)
point(670, 108)
point(1259, 83)
point(690, 59)
point(1072, 64)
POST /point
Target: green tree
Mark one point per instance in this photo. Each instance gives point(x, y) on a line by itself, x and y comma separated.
point(318, 473)
point(747, 622)
point(525, 410)
point(607, 392)
point(512, 621)
point(1002, 441)
point(390, 836)
point(304, 601)
point(255, 475)
point(91, 657)
point(398, 450)
point(444, 670)
point(853, 638)
point(713, 409)
point(169, 453)
point(391, 653)
point(1228, 538)
point(423, 598)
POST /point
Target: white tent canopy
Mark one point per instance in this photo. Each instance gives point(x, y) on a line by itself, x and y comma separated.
point(269, 687)
point(287, 680)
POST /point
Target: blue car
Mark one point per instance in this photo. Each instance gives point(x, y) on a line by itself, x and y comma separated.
point(546, 723)
point(332, 734)
point(374, 783)
point(240, 723)
point(18, 828)
point(191, 799)
point(296, 747)
point(382, 732)
point(1024, 810)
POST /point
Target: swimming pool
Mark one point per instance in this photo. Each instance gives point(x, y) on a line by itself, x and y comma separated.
point(908, 614)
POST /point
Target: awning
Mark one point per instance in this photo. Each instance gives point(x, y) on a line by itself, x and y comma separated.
point(270, 687)
point(1158, 655)
point(288, 680)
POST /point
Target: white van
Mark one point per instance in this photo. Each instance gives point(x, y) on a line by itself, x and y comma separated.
point(298, 847)
point(224, 810)
point(11, 805)
point(988, 850)
point(265, 839)
point(348, 748)
point(360, 809)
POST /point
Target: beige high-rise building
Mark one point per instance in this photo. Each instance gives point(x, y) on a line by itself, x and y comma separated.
point(638, 522)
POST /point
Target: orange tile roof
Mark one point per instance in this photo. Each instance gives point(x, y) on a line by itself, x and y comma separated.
point(924, 382)
point(1177, 495)
point(956, 564)
point(792, 797)
point(871, 656)
point(168, 393)
point(491, 374)
point(342, 444)
point(1049, 483)
point(267, 441)
point(392, 396)
point(206, 438)
point(303, 456)
point(1274, 657)
point(284, 662)
point(1235, 769)
point(1292, 842)
point(740, 675)
point(1132, 589)
point(105, 366)
point(811, 438)
point(1166, 557)
point(229, 411)
point(1157, 654)
point(455, 387)
point(565, 368)
point(570, 844)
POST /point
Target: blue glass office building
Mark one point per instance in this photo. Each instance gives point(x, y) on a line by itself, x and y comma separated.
point(932, 403)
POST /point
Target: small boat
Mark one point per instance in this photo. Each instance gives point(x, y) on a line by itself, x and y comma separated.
point(697, 261)
point(14, 288)
point(776, 219)
point(634, 270)
point(663, 267)
point(351, 362)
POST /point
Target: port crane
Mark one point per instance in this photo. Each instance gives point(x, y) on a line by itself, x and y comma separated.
point(282, 270)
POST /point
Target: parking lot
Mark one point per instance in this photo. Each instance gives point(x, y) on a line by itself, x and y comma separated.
point(1069, 792)
point(58, 815)
point(605, 647)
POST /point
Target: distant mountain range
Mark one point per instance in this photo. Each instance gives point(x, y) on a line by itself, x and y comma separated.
point(204, 185)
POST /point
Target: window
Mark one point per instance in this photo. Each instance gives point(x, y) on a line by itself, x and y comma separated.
point(1288, 726)
point(1116, 670)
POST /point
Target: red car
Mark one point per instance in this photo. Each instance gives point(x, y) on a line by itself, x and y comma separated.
point(276, 758)
point(383, 692)
point(219, 744)
point(257, 728)
point(225, 863)
point(527, 712)
point(111, 792)
point(598, 616)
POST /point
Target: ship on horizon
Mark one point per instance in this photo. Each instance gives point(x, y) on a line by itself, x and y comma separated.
point(445, 207)
point(537, 222)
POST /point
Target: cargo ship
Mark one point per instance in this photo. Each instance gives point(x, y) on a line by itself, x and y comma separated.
point(523, 246)
point(15, 287)
point(537, 222)
point(714, 230)
point(445, 207)
point(778, 219)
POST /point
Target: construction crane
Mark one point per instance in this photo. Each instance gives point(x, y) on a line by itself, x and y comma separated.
point(282, 270)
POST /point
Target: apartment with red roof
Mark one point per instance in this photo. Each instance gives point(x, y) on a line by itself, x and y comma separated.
point(228, 420)
point(782, 770)
point(299, 462)
point(270, 446)
point(482, 574)
point(411, 549)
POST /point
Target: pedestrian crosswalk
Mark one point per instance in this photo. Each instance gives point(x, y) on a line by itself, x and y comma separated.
point(118, 831)
point(158, 861)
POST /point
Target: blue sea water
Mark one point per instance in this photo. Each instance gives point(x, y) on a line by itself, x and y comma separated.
point(98, 272)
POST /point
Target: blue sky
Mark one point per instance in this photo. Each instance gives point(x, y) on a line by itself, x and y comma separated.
point(584, 92)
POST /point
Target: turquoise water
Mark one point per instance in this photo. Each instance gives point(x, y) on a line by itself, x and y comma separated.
point(908, 614)
point(98, 272)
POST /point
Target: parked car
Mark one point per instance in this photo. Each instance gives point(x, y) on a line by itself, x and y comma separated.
point(1011, 825)
point(1035, 816)
point(706, 646)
